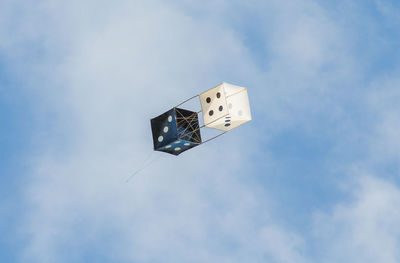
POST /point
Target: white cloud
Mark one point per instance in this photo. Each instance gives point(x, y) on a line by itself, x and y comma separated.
point(108, 68)
point(367, 228)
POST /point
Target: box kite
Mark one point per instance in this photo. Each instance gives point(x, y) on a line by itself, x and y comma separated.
point(223, 107)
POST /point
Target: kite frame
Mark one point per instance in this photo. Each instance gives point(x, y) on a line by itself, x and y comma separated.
point(202, 126)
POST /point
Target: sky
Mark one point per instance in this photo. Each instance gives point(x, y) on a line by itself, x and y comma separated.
point(314, 178)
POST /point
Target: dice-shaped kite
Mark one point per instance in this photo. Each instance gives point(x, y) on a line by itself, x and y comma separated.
point(225, 107)
point(176, 131)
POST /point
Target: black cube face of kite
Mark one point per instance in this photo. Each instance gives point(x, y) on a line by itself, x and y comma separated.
point(176, 131)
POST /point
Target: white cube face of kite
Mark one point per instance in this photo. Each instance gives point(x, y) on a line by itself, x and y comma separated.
point(225, 107)
point(213, 104)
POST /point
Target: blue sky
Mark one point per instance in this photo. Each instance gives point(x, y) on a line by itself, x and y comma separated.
point(313, 178)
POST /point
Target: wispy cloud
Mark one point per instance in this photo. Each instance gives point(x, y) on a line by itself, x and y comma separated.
point(366, 228)
point(100, 71)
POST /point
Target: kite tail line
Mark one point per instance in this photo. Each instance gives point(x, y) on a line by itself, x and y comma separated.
point(146, 163)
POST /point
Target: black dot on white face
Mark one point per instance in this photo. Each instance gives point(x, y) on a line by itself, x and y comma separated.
point(218, 95)
point(220, 108)
point(208, 99)
point(211, 112)
point(227, 124)
point(227, 120)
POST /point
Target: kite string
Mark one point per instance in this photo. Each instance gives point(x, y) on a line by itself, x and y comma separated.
point(145, 164)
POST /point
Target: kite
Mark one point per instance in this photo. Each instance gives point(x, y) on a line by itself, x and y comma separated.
point(223, 107)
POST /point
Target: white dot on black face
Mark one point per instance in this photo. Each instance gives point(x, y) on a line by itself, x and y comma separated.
point(227, 124)
point(208, 99)
point(218, 95)
point(168, 146)
point(211, 112)
point(160, 138)
point(187, 144)
point(165, 129)
point(169, 118)
point(220, 108)
point(177, 149)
